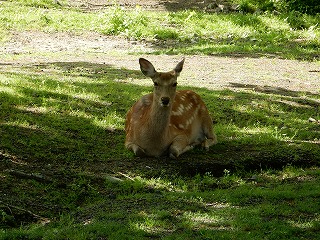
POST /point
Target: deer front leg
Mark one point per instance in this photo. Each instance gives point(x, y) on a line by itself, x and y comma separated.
point(138, 151)
point(179, 145)
point(208, 142)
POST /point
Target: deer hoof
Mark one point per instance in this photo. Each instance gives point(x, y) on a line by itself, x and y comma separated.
point(174, 153)
point(138, 151)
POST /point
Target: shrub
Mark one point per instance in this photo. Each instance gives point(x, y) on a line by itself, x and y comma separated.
point(303, 6)
point(282, 6)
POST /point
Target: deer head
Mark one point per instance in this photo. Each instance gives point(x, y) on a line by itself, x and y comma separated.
point(165, 83)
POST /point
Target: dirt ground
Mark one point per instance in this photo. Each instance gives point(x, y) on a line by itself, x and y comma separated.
point(171, 5)
point(212, 72)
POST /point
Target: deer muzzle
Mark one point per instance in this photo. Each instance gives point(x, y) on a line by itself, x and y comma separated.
point(165, 101)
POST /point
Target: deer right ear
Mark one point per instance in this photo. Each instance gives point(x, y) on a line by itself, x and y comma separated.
point(147, 68)
point(179, 67)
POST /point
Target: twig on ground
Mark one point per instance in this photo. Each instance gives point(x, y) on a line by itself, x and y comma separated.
point(43, 220)
point(126, 176)
point(37, 177)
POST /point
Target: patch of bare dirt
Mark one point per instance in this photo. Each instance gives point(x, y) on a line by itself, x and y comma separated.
point(31, 42)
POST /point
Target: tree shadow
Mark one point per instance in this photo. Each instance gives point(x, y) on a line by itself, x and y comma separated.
point(273, 90)
point(89, 69)
point(51, 127)
point(78, 138)
point(237, 48)
point(169, 5)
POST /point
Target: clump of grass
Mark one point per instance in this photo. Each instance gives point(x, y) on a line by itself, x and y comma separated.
point(280, 6)
point(3, 35)
point(118, 21)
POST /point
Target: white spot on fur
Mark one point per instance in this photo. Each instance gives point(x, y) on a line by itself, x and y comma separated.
point(181, 108)
point(189, 107)
point(195, 98)
point(176, 113)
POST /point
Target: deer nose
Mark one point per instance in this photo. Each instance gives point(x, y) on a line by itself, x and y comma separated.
point(165, 101)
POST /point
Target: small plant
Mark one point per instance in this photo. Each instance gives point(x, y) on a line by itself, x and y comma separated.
point(247, 7)
point(118, 21)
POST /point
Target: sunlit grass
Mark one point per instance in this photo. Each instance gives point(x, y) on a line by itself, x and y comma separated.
point(187, 32)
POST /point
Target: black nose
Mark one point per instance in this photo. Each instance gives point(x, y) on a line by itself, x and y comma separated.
point(165, 101)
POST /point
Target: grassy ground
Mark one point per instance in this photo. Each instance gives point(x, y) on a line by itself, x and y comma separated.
point(64, 171)
point(185, 32)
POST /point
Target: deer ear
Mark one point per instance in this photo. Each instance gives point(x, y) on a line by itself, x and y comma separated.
point(147, 68)
point(179, 67)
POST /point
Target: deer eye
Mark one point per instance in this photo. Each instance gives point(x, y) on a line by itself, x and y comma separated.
point(155, 84)
point(174, 84)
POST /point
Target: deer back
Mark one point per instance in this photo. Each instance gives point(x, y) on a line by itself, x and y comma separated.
point(190, 117)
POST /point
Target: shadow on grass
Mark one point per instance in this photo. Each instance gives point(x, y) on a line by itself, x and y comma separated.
point(67, 126)
point(277, 91)
point(56, 119)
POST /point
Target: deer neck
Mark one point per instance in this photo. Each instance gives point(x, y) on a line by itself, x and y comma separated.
point(159, 120)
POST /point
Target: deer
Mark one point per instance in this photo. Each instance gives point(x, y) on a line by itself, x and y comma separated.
point(167, 121)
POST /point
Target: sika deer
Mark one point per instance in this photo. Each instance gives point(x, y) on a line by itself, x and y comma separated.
point(167, 121)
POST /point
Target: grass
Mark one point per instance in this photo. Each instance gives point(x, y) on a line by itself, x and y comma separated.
point(276, 205)
point(65, 173)
point(62, 146)
point(290, 35)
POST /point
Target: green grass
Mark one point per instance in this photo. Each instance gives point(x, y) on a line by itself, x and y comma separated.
point(276, 205)
point(85, 100)
point(63, 160)
point(289, 35)
point(280, 6)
